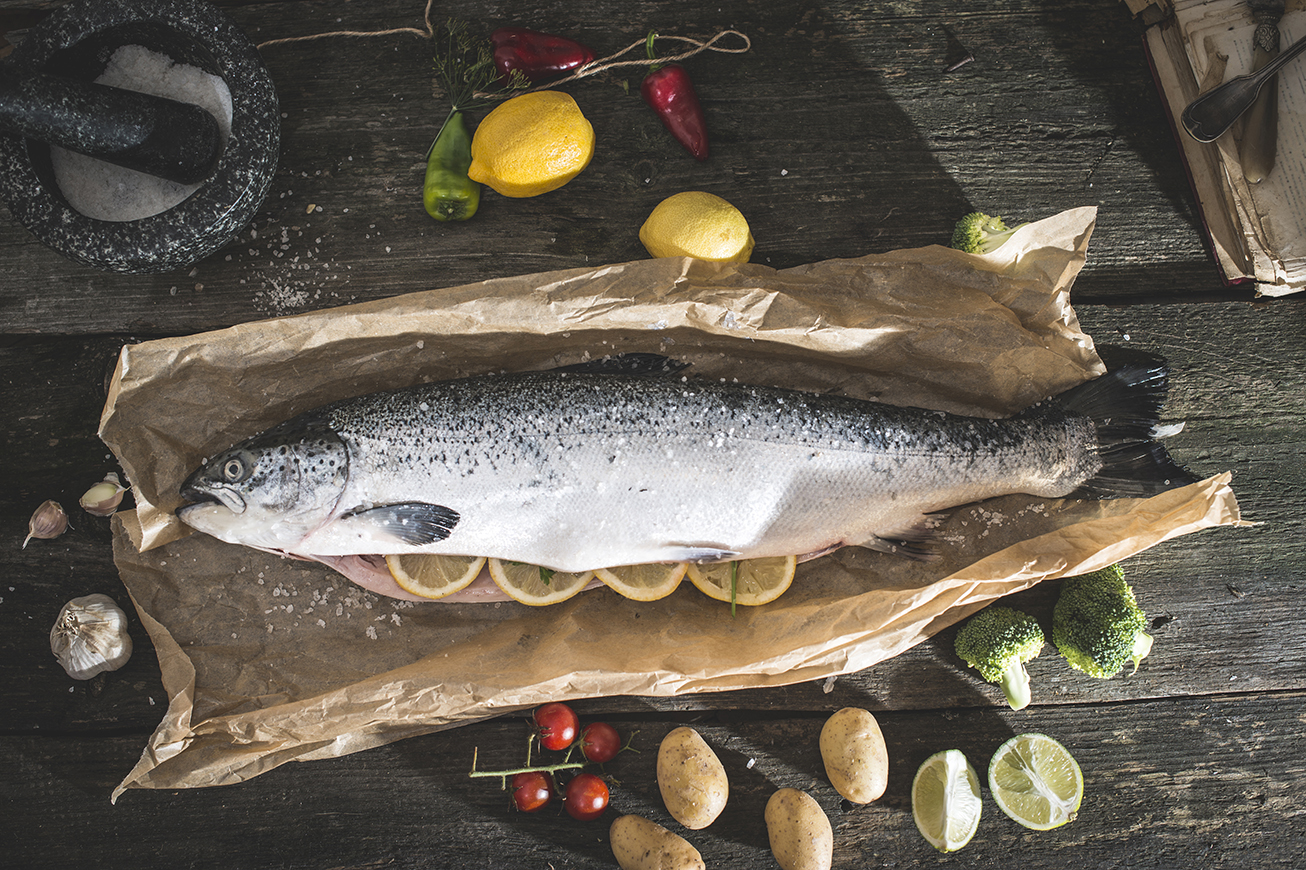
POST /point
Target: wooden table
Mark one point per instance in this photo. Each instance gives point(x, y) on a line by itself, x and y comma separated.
point(841, 133)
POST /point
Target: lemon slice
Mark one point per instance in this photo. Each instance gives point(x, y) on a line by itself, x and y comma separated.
point(1036, 781)
point(433, 576)
point(531, 584)
point(644, 582)
point(945, 800)
point(756, 581)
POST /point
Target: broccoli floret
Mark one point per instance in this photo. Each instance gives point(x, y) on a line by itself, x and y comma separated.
point(1097, 624)
point(997, 642)
point(978, 233)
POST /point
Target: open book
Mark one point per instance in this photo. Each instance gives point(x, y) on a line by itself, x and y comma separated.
point(1257, 231)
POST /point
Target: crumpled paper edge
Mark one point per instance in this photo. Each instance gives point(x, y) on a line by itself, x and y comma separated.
point(714, 299)
point(264, 739)
point(253, 743)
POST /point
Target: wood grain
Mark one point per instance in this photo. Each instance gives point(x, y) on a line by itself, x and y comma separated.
point(840, 134)
point(1151, 800)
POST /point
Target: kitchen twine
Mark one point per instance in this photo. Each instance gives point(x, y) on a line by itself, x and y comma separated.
point(595, 66)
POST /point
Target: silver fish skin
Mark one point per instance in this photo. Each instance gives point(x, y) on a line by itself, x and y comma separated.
point(577, 470)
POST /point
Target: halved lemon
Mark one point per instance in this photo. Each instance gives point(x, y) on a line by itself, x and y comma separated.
point(945, 800)
point(644, 582)
point(754, 581)
point(1036, 781)
point(433, 576)
point(531, 584)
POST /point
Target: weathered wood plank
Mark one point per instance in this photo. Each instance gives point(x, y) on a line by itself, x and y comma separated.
point(1164, 782)
point(839, 134)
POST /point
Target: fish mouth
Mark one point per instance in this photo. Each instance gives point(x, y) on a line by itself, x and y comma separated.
point(194, 497)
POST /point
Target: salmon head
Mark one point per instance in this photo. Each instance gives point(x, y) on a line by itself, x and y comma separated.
point(271, 491)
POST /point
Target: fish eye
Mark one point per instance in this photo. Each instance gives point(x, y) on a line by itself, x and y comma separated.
point(236, 469)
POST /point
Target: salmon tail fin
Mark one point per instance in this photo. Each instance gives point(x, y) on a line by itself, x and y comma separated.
point(1125, 405)
point(1137, 470)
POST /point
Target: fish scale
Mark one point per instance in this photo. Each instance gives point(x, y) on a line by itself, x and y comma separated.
point(577, 470)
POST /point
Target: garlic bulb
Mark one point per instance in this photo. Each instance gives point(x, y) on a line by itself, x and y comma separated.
point(90, 636)
point(103, 498)
point(48, 521)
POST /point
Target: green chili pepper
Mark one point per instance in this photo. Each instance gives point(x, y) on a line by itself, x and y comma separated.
point(464, 66)
point(447, 192)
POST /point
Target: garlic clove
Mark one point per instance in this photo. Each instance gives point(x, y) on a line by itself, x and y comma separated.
point(90, 637)
point(103, 498)
point(48, 521)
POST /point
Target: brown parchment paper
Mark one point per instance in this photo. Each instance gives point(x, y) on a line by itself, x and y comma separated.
point(268, 660)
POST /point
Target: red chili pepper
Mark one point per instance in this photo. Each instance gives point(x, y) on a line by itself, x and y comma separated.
point(537, 55)
point(671, 94)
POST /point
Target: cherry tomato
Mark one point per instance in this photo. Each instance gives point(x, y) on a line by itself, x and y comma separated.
point(586, 797)
point(531, 791)
point(600, 742)
point(557, 725)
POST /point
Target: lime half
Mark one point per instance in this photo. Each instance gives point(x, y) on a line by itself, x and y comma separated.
point(945, 800)
point(1036, 781)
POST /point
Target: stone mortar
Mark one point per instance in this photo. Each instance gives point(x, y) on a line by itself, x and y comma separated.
point(77, 41)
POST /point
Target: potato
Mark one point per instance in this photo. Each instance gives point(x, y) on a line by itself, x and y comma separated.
point(800, 832)
point(692, 781)
point(639, 844)
point(852, 747)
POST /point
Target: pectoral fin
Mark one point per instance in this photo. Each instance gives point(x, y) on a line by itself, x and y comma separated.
point(411, 523)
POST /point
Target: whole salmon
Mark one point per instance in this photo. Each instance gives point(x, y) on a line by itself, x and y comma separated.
point(625, 462)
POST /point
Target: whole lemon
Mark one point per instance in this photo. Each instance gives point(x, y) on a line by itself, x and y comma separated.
point(531, 144)
point(697, 224)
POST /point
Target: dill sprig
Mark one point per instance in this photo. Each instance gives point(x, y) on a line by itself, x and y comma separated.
point(464, 66)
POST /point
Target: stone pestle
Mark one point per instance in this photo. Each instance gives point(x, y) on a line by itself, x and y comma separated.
point(162, 137)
